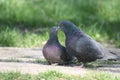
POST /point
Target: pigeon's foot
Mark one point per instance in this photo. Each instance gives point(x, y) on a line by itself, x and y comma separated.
point(49, 63)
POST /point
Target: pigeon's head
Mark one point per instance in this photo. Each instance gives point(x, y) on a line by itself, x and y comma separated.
point(53, 38)
point(67, 26)
point(54, 30)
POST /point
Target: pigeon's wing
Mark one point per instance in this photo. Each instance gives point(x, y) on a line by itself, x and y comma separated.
point(110, 56)
point(88, 46)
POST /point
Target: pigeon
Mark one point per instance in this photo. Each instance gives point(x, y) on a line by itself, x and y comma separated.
point(82, 46)
point(53, 51)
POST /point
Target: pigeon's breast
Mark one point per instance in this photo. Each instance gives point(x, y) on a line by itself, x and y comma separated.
point(53, 50)
point(52, 53)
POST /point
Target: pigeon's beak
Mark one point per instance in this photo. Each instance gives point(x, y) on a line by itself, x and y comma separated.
point(58, 27)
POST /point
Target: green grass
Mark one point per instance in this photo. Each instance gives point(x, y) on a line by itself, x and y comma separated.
point(54, 75)
point(10, 60)
point(39, 12)
point(13, 37)
point(41, 61)
point(16, 38)
point(100, 63)
point(100, 19)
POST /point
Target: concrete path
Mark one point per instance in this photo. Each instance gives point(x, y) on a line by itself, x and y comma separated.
point(23, 60)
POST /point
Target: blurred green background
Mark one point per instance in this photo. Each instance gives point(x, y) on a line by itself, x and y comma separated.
point(26, 23)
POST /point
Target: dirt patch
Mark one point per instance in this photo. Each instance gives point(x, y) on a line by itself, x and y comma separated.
point(23, 60)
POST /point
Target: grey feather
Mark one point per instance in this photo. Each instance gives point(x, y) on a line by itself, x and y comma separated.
point(81, 45)
point(53, 51)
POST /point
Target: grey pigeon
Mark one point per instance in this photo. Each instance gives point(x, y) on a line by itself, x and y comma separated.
point(82, 46)
point(53, 51)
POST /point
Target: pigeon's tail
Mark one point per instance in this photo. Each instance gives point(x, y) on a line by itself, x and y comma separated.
point(115, 54)
point(110, 56)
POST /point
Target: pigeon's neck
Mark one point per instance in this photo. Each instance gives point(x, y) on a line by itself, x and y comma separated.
point(53, 39)
point(74, 32)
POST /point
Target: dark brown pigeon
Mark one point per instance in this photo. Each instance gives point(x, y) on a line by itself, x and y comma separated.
point(82, 46)
point(53, 51)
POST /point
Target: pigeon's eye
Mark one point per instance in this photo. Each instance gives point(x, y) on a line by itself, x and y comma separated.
point(62, 24)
